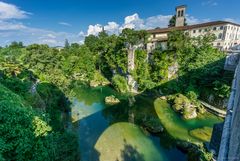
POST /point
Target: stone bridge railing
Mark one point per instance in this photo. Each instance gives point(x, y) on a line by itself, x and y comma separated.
point(230, 140)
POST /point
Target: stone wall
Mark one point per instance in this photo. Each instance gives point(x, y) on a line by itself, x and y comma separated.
point(230, 140)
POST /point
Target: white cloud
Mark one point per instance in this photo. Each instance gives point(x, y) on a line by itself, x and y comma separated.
point(133, 22)
point(209, 3)
point(81, 34)
point(232, 20)
point(5, 25)
point(112, 28)
point(29, 35)
point(12, 30)
point(51, 36)
point(10, 11)
point(157, 21)
point(65, 24)
point(49, 41)
point(192, 20)
point(94, 29)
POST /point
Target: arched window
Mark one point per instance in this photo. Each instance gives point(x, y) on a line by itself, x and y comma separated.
point(220, 36)
point(182, 13)
point(179, 14)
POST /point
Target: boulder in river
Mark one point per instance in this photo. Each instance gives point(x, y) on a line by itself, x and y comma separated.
point(189, 112)
point(153, 126)
point(163, 97)
point(111, 100)
point(183, 105)
point(203, 134)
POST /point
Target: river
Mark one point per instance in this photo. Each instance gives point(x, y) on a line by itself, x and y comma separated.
point(112, 133)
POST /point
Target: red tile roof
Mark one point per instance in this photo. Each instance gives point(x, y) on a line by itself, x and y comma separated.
point(189, 27)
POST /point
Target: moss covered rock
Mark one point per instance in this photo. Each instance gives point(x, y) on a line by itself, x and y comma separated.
point(203, 134)
point(189, 112)
point(183, 105)
point(111, 100)
point(153, 125)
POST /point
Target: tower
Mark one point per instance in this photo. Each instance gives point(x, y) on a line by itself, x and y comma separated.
point(180, 15)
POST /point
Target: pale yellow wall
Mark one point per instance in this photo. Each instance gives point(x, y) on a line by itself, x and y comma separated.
point(230, 35)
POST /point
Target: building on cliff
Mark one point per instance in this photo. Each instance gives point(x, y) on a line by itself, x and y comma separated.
point(227, 33)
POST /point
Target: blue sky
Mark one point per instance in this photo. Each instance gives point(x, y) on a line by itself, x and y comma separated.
point(52, 21)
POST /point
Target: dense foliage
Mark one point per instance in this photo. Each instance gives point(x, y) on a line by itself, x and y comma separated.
point(32, 80)
point(200, 66)
point(27, 135)
point(33, 114)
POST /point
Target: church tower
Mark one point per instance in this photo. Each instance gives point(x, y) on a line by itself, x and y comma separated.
point(180, 15)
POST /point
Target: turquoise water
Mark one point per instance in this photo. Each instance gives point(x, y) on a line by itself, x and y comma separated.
point(110, 133)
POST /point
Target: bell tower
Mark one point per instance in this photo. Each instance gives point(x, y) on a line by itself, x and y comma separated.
point(180, 15)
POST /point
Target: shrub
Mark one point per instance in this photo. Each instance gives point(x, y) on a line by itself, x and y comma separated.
point(120, 84)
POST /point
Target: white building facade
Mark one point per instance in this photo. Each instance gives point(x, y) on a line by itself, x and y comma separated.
point(227, 33)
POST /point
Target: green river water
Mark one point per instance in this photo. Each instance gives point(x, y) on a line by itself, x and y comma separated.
point(113, 133)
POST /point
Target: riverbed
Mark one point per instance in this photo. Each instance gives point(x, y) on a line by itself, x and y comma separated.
point(114, 133)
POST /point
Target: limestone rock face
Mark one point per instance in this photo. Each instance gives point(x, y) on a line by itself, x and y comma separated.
point(131, 101)
point(111, 100)
point(94, 83)
point(189, 112)
point(183, 105)
point(163, 97)
point(172, 70)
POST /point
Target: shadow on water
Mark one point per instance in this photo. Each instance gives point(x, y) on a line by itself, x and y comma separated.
point(201, 79)
point(91, 127)
point(41, 135)
point(129, 153)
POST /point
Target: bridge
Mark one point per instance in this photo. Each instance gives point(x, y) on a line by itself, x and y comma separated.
point(229, 148)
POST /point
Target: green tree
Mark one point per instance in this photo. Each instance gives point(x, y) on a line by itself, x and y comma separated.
point(172, 21)
point(120, 83)
point(66, 45)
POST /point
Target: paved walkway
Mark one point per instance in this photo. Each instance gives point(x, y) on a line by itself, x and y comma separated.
point(214, 110)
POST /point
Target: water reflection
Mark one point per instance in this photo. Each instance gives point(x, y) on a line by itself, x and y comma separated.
point(112, 128)
point(126, 142)
point(80, 110)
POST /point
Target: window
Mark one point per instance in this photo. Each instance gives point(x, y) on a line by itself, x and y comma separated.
point(178, 13)
point(206, 30)
point(221, 27)
point(200, 30)
point(182, 13)
point(214, 28)
point(220, 36)
point(225, 28)
point(194, 31)
point(218, 44)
